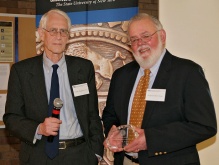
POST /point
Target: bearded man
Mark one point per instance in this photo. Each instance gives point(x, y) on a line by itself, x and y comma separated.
point(178, 111)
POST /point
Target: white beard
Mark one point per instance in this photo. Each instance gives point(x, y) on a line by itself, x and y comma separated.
point(147, 61)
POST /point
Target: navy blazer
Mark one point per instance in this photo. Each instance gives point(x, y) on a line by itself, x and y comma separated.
point(27, 105)
point(173, 127)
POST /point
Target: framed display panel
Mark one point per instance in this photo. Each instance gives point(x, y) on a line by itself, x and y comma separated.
point(17, 42)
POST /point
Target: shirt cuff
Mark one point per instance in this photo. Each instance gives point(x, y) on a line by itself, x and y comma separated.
point(37, 136)
point(99, 157)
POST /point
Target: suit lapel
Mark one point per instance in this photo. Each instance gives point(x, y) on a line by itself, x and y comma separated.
point(159, 83)
point(73, 72)
point(75, 78)
point(37, 83)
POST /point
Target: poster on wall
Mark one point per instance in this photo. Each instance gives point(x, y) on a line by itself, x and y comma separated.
point(4, 75)
point(6, 41)
point(90, 11)
point(98, 33)
point(2, 109)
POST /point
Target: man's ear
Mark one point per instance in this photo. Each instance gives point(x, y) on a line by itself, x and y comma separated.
point(41, 33)
point(163, 36)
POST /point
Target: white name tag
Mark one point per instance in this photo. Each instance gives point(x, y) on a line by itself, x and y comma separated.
point(80, 89)
point(156, 95)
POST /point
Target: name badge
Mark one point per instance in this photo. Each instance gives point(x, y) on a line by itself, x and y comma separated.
point(80, 89)
point(156, 95)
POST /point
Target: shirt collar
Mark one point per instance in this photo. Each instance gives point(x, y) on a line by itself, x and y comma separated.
point(48, 63)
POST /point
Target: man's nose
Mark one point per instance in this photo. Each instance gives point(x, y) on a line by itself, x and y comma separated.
point(140, 41)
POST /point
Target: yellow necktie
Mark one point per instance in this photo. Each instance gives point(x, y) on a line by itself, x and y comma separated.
point(139, 103)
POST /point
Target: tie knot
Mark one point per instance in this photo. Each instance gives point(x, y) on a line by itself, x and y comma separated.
point(147, 72)
point(55, 67)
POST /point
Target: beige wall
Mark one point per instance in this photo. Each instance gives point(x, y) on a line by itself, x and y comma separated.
point(192, 28)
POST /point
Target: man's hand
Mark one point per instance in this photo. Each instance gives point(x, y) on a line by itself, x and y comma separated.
point(114, 140)
point(137, 144)
point(50, 126)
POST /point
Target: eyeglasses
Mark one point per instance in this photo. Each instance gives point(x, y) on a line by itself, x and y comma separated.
point(144, 38)
point(54, 32)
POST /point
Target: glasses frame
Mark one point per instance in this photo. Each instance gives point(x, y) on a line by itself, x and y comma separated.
point(63, 32)
point(144, 39)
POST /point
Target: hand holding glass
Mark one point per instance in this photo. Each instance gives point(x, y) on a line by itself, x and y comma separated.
point(118, 138)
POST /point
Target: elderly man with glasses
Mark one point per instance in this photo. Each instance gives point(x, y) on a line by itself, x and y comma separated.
point(54, 133)
point(164, 98)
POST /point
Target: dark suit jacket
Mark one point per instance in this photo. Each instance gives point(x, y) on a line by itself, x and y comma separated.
point(27, 106)
point(173, 127)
